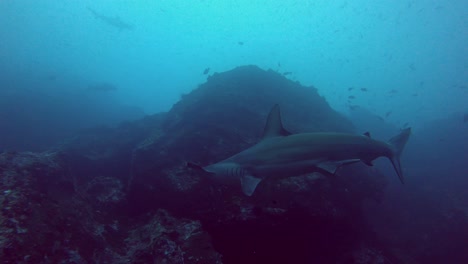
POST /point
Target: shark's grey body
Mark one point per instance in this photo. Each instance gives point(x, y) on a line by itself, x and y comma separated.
point(282, 154)
point(116, 21)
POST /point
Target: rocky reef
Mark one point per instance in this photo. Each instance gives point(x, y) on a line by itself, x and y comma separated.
point(125, 195)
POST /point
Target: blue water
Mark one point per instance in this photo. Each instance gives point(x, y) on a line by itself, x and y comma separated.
point(70, 65)
point(411, 55)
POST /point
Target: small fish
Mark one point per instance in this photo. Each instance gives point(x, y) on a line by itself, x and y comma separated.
point(351, 97)
point(388, 114)
point(287, 73)
point(350, 88)
point(206, 71)
point(240, 43)
point(415, 94)
point(353, 107)
point(393, 91)
point(364, 89)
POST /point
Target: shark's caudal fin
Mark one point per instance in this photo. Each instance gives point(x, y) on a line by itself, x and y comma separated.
point(398, 143)
point(274, 125)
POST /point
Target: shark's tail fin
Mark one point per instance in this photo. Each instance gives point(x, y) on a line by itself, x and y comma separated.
point(398, 143)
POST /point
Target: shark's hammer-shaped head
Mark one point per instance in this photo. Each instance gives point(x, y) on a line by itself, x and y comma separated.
point(228, 172)
point(225, 171)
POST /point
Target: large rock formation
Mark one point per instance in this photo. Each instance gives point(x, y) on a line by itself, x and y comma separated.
point(125, 194)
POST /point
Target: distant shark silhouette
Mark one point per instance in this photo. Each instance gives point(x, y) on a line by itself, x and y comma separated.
point(112, 21)
point(281, 154)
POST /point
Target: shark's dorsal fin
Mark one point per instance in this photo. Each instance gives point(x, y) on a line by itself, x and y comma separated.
point(249, 183)
point(367, 134)
point(274, 125)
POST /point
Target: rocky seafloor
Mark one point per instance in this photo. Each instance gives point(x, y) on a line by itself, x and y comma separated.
point(125, 194)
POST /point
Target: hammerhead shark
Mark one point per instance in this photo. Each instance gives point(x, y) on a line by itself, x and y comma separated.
point(112, 21)
point(281, 154)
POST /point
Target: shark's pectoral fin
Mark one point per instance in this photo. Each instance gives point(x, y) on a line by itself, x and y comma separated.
point(332, 166)
point(368, 162)
point(249, 183)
